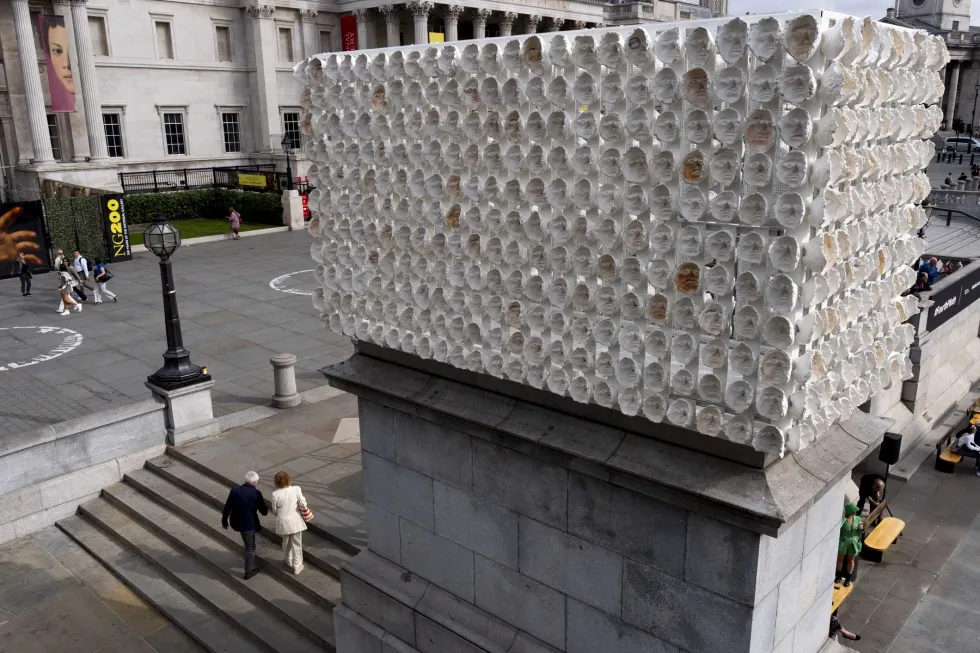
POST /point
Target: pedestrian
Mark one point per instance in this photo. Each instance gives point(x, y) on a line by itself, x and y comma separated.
point(61, 264)
point(837, 629)
point(242, 508)
point(102, 276)
point(948, 181)
point(849, 545)
point(292, 513)
point(65, 286)
point(81, 267)
point(25, 275)
point(966, 445)
point(235, 218)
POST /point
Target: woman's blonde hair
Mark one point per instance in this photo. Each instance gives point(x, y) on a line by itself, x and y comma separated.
point(282, 479)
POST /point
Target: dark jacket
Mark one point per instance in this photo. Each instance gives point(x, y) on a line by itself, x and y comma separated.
point(244, 501)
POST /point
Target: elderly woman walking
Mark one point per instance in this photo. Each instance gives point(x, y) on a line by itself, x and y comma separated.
point(289, 507)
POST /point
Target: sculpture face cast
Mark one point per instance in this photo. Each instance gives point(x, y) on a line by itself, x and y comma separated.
point(593, 215)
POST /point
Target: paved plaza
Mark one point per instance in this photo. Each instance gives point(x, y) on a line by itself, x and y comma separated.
point(53, 368)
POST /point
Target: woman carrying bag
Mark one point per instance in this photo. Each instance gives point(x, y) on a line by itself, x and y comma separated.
point(289, 506)
point(102, 276)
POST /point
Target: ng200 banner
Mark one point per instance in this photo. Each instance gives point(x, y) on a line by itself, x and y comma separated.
point(116, 229)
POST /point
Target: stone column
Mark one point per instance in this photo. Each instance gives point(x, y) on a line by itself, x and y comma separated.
point(90, 82)
point(33, 93)
point(392, 24)
point(268, 131)
point(452, 22)
point(555, 24)
point(480, 23)
point(420, 13)
point(532, 23)
point(954, 84)
point(492, 526)
point(507, 23)
point(365, 29)
point(310, 34)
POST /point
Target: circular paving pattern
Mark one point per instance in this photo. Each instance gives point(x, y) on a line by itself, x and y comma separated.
point(22, 346)
point(295, 283)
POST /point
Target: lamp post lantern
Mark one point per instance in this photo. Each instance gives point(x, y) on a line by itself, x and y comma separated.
point(178, 371)
point(287, 147)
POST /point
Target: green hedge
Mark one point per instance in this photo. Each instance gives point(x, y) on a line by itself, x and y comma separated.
point(260, 208)
point(76, 223)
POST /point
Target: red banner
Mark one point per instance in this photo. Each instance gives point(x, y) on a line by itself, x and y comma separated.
point(348, 32)
point(61, 83)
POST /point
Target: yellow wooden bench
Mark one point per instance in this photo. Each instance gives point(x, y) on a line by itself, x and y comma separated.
point(882, 537)
point(950, 456)
point(840, 593)
point(946, 456)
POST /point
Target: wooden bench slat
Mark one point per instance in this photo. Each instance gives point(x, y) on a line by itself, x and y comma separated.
point(840, 593)
point(950, 456)
point(885, 533)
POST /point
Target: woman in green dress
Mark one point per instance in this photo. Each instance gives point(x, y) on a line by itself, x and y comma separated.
point(850, 544)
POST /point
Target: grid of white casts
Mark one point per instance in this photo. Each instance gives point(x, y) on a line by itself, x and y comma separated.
point(708, 223)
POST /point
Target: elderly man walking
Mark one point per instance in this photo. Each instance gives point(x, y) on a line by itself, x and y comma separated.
point(243, 504)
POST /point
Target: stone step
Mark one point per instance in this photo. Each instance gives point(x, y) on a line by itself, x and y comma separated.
point(202, 491)
point(336, 535)
point(201, 624)
point(175, 516)
point(218, 592)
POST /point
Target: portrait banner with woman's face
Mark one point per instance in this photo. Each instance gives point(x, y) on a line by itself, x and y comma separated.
point(54, 41)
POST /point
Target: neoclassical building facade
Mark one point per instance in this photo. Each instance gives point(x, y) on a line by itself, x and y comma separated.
point(169, 84)
point(951, 20)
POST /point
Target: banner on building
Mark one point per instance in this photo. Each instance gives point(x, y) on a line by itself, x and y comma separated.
point(116, 229)
point(22, 232)
point(348, 32)
point(54, 42)
point(437, 37)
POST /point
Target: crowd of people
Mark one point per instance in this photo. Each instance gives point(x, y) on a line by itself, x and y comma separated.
point(74, 278)
point(932, 270)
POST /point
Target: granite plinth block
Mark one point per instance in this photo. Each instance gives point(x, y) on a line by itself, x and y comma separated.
point(655, 545)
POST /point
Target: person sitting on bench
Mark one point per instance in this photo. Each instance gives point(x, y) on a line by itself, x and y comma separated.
point(966, 445)
point(872, 491)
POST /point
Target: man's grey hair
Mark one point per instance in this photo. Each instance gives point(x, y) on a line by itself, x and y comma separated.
point(251, 478)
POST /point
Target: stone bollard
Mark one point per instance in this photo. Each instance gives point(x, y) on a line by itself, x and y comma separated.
point(285, 381)
point(960, 185)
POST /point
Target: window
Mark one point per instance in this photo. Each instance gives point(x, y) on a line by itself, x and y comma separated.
point(112, 123)
point(290, 127)
point(285, 45)
point(956, 25)
point(326, 41)
point(165, 44)
point(492, 31)
point(173, 133)
point(56, 151)
point(97, 32)
point(231, 132)
point(222, 39)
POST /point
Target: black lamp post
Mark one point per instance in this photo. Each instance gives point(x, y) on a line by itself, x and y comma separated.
point(973, 117)
point(287, 147)
point(178, 371)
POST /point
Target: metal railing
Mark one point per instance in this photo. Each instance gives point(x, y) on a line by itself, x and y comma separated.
point(157, 181)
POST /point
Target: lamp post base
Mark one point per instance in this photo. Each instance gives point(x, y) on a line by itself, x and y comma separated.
point(178, 371)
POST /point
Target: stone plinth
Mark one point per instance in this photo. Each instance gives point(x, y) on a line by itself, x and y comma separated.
point(499, 525)
point(189, 415)
point(292, 209)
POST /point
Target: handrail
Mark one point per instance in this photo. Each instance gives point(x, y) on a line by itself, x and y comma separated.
point(950, 212)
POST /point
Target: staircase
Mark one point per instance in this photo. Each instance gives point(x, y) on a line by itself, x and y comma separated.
point(159, 530)
point(960, 239)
